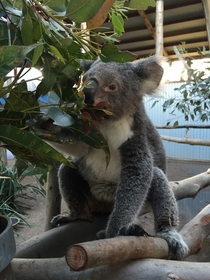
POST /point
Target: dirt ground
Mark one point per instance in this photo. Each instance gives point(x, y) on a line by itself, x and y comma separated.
point(177, 170)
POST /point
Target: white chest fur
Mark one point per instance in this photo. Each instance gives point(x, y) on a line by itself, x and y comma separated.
point(115, 133)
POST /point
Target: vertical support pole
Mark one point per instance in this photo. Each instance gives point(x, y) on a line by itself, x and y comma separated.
point(3, 156)
point(206, 7)
point(159, 27)
point(53, 198)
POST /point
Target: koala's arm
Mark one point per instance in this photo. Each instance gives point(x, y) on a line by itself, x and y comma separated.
point(133, 187)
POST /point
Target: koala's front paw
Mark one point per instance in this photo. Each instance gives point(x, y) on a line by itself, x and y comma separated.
point(177, 247)
point(133, 230)
point(101, 234)
point(62, 219)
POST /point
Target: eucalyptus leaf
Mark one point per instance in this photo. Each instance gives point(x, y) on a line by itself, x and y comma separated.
point(37, 54)
point(12, 117)
point(94, 138)
point(83, 10)
point(12, 56)
point(141, 5)
point(53, 3)
point(27, 30)
point(29, 147)
point(49, 76)
point(56, 52)
point(111, 53)
point(118, 22)
point(53, 98)
point(60, 118)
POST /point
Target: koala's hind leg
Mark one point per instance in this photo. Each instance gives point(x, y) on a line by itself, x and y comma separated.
point(76, 193)
point(166, 215)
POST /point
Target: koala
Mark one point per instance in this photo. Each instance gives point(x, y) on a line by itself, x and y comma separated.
point(136, 171)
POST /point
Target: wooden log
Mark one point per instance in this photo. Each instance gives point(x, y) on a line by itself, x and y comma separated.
point(113, 250)
point(109, 251)
point(191, 186)
point(151, 269)
point(197, 230)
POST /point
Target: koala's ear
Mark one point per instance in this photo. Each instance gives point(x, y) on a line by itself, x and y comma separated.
point(150, 71)
point(86, 64)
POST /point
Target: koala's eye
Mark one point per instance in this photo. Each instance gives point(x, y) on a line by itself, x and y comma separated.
point(112, 87)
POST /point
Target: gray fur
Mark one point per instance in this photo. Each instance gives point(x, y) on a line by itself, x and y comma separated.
point(136, 172)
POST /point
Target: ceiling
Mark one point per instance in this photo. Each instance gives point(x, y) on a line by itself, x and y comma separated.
point(184, 21)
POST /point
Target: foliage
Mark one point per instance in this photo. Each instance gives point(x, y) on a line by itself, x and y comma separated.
point(47, 35)
point(193, 97)
point(13, 191)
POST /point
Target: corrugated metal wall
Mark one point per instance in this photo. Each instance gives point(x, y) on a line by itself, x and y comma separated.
point(160, 118)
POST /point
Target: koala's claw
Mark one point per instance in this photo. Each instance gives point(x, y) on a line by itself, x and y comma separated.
point(133, 230)
point(177, 247)
point(62, 219)
point(101, 234)
point(130, 230)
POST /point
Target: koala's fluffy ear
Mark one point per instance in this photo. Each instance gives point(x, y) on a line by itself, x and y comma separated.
point(150, 71)
point(86, 64)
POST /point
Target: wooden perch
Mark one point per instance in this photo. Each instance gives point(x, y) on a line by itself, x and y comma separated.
point(151, 269)
point(190, 141)
point(186, 188)
point(113, 250)
point(191, 186)
point(109, 251)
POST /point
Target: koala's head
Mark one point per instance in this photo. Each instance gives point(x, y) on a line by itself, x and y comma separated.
point(120, 85)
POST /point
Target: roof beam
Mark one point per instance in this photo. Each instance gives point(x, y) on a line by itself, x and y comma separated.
point(206, 6)
point(150, 27)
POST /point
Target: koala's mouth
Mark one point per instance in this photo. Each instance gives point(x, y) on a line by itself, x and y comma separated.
point(101, 110)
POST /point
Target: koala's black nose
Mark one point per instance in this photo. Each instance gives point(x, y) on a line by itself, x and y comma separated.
point(90, 88)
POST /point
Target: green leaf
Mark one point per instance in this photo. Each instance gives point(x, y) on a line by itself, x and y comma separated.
point(83, 10)
point(154, 103)
point(117, 21)
point(53, 3)
point(20, 99)
point(56, 52)
point(27, 30)
point(11, 117)
point(29, 147)
point(141, 5)
point(12, 56)
point(176, 123)
point(94, 138)
point(60, 118)
point(53, 98)
point(37, 53)
point(49, 76)
point(111, 53)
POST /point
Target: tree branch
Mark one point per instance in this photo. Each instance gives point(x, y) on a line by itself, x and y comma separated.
point(191, 141)
point(109, 251)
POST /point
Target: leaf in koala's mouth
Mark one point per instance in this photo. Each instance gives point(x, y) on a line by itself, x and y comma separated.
point(98, 112)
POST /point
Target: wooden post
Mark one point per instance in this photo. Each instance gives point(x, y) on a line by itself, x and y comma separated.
point(206, 6)
point(3, 156)
point(53, 198)
point(159, 27)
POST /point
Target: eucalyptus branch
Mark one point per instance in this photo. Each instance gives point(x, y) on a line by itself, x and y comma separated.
point(49, 15)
